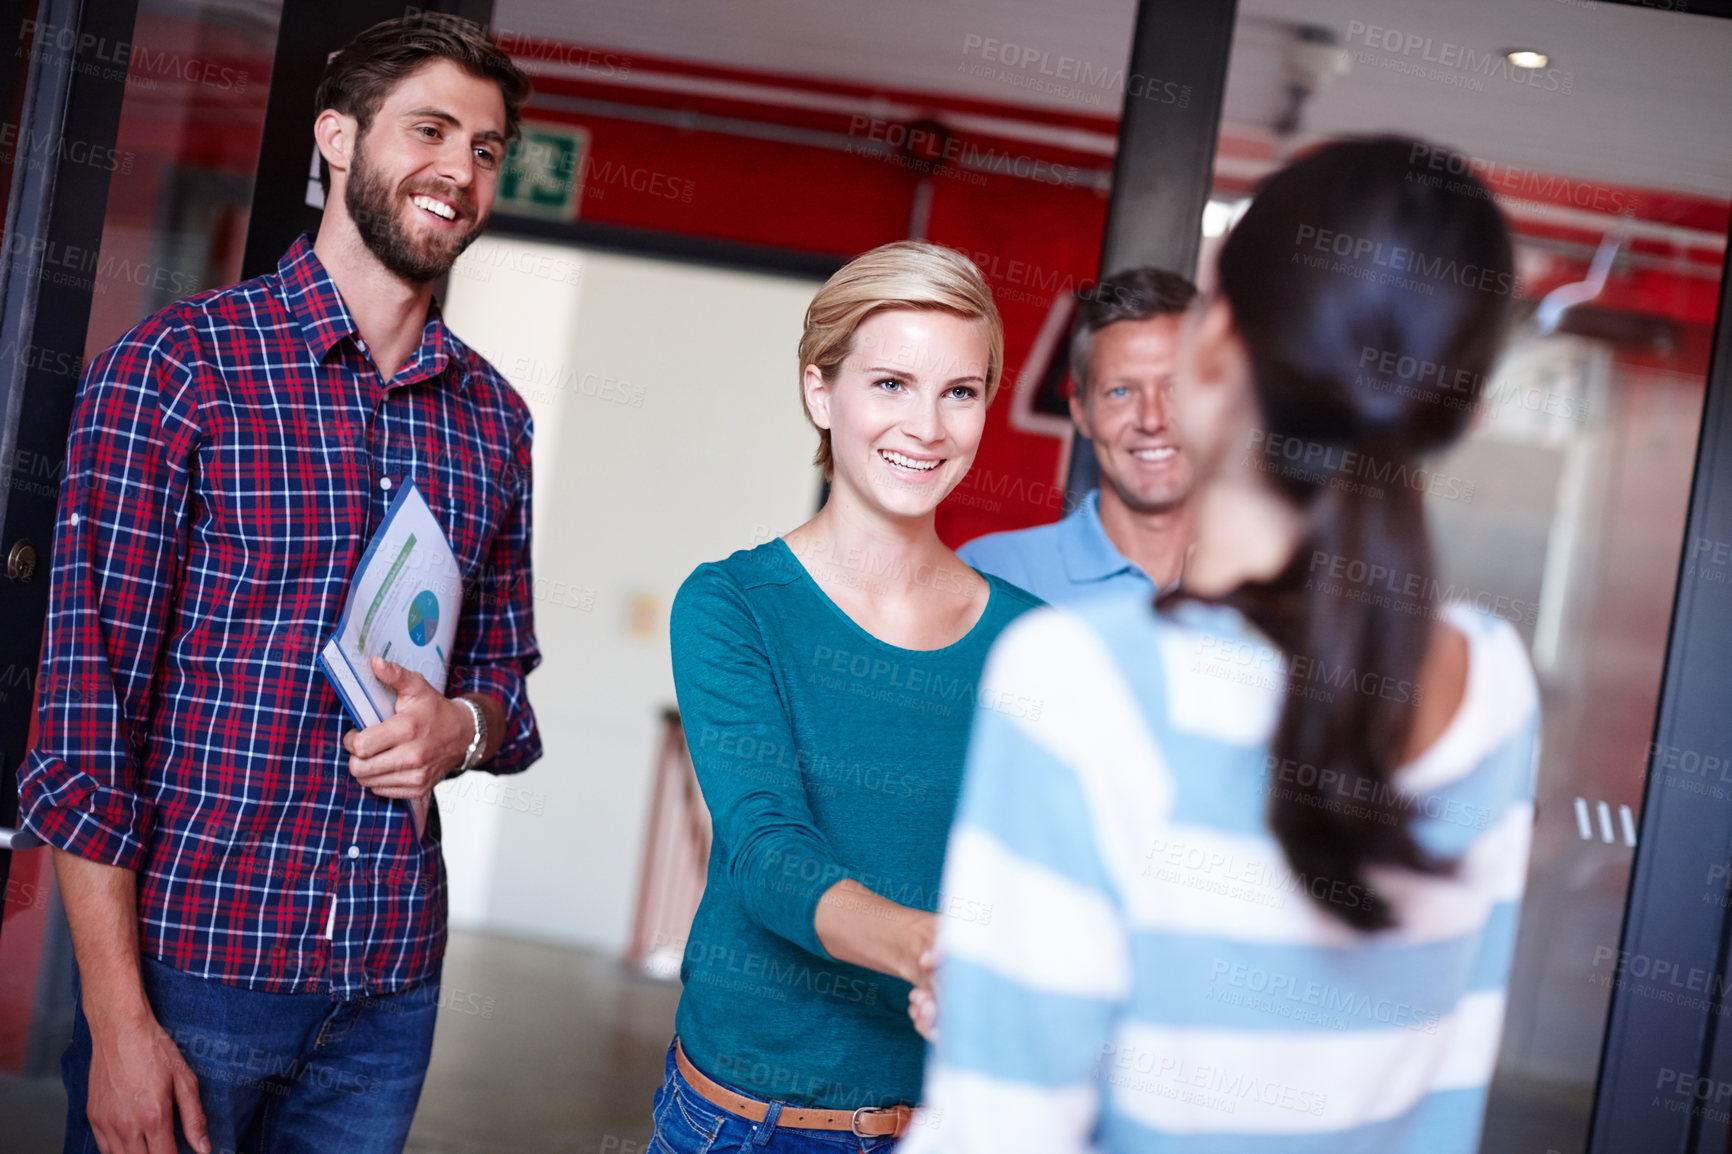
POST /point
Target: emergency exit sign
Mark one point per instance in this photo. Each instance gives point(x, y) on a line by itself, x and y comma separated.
point(543, 172)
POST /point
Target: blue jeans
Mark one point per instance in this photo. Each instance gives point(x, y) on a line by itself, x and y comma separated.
point(688, 1123)
point(280, 1073)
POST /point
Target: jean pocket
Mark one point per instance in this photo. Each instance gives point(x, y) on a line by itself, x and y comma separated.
point(684, 1122)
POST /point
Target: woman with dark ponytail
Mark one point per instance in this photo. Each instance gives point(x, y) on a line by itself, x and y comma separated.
point(1253, 866)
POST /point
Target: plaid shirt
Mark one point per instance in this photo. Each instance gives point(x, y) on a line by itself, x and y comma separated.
point(230, 459)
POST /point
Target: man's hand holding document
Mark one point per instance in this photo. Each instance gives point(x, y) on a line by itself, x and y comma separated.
point(391, 656)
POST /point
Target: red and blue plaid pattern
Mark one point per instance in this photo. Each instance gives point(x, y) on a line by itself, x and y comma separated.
point(230, 459)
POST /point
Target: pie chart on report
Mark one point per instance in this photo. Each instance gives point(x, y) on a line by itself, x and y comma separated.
point(423, 617)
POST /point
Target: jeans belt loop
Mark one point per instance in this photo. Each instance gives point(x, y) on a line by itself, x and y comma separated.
point(767, 1128)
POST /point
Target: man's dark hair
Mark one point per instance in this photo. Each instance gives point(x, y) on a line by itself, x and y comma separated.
point(1136, 294)
point(358, 78)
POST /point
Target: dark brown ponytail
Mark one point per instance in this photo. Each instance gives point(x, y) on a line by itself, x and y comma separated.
point(1410, 272)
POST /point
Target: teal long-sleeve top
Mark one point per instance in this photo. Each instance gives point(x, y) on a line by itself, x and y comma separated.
point(823, 753)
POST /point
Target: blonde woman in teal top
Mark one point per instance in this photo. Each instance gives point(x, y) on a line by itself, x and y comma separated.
point(826, 683)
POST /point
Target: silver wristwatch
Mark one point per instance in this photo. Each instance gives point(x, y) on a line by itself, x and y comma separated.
point(478, 743)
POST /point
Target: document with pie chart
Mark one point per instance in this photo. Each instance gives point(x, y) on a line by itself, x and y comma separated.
point(402, 606)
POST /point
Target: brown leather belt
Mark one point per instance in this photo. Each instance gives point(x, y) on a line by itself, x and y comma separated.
point(866, 1122)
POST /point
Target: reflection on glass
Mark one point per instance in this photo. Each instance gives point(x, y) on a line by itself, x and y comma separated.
point(1574, 533)
point(182, 181)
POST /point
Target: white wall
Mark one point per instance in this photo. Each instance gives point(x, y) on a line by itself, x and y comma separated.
point(668, 432)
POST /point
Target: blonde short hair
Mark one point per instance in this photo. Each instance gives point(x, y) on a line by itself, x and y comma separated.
point(904, 274)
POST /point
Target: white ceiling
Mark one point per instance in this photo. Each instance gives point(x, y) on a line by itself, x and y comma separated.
point(1648, 103)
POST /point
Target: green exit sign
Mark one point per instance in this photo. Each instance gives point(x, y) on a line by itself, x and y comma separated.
point(543, 172)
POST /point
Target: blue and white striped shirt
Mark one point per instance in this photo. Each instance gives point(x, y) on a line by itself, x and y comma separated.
point(1153, 975)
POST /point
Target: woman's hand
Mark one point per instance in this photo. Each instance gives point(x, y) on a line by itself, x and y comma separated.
point(856, 925)
point(923, 999)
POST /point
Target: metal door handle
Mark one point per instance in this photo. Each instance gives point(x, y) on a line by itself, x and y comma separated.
point(11, 839)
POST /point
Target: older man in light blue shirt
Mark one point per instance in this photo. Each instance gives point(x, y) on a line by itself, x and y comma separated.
point(1134, 531)
point(1060, 562)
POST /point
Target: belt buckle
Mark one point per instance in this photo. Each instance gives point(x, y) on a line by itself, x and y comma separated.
point(854, 1121)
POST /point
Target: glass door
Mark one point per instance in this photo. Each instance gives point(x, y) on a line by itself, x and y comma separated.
point(1564, 511)
point(128, 153)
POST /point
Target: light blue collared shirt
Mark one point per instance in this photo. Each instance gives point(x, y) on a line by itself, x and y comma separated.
point(1068, 561)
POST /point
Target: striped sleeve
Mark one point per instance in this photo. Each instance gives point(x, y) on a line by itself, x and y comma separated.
point(1153, 975)
point(1032, 983)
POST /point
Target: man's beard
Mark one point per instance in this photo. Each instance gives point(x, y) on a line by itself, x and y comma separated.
point(372, 207)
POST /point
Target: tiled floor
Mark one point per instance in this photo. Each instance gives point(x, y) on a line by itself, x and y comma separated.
point(540, 1049)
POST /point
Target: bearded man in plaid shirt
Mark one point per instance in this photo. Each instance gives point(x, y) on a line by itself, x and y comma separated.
point(259, 924)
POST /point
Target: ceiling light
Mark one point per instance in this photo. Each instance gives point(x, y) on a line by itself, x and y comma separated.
point(1527, 58)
